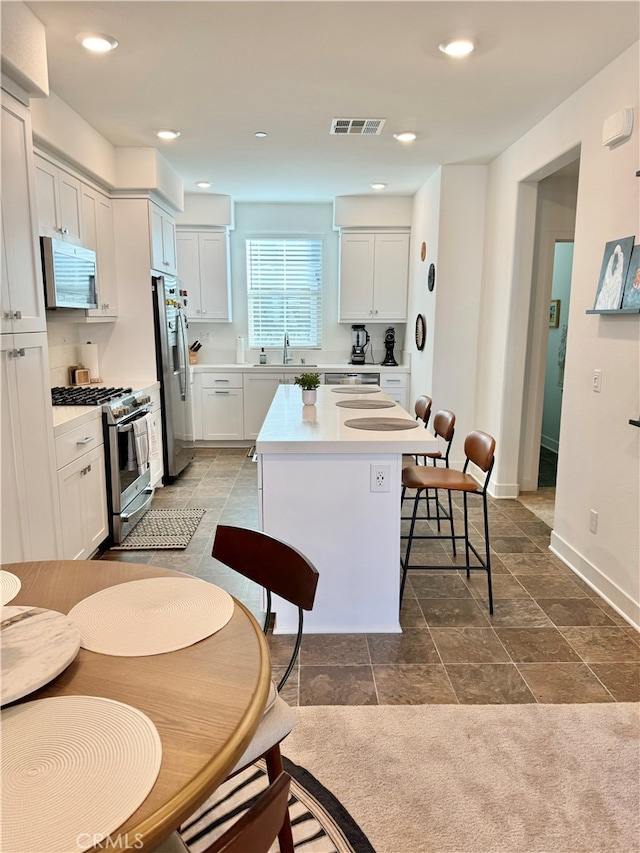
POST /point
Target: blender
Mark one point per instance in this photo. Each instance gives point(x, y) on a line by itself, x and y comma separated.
point(360, 338)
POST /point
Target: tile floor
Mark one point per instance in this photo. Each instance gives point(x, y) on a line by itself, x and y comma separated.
point(551, 638)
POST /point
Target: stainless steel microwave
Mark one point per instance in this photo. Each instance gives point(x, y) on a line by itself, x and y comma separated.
point(69, 274)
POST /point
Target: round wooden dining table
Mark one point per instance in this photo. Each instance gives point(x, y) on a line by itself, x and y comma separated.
point(205, 700)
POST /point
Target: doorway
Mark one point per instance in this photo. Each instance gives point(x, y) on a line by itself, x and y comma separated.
point(541, 445)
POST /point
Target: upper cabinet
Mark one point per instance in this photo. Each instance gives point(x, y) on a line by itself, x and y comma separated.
point(374, 274)
point(163, 240)
point(98, 234)
point(22, 293)
point(203, 269)
point(59, 202)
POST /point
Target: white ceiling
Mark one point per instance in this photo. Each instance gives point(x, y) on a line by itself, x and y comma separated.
point(219, 71)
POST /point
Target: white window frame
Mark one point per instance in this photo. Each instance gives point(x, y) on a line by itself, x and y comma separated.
point(302, 308)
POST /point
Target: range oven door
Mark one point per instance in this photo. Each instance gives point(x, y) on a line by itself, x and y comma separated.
point(129, 475)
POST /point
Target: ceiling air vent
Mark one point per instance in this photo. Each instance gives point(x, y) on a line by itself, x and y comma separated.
point(356, 126)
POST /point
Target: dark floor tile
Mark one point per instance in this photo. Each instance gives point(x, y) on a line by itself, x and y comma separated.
point(535, 528)
point(453, 612)
point(337, 685)
point(290, 691)
point(334, 649)
point(518, 613)
point(622, 680)
point(556, 683)
point(536, 645)
point(281, 647)
point(534, 564)
point(437, 584)
point(574, 611)
point(600, 645)
point(469, 645)
point(411, 616)
point(489, 684)
point(177, 561)
point(512, 544)
point(503, 586)
point(550, 586)
point(413, 684)
point(414, 645)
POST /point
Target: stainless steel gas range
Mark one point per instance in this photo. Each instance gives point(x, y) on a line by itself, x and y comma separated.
point(127, 446)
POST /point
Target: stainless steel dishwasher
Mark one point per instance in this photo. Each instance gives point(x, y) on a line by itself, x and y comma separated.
point(352, 378)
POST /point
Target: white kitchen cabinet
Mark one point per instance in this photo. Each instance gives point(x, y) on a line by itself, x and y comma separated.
point(395, 385)
point(30, 520)
point(221, 407)
point(59, 196)
point(83, 505)
point(374, 271)
point(23, 308)
point(203, 269)
point(259, 391)
point(97, 228)
point(163, 240)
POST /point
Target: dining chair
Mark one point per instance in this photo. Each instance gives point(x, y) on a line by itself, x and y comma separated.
point(280, 570)
point(444, 423)
point(422, 411)
point(254, 832)
point(479, 448)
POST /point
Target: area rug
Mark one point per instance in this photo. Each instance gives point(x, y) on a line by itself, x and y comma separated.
point(320, 824)
point(480, 779)
point(162, 529)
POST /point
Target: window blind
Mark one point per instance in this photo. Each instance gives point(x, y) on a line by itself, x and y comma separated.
point(284, 290)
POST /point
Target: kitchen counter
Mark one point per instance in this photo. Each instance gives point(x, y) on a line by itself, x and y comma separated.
point(295, 369)
point(333, 492)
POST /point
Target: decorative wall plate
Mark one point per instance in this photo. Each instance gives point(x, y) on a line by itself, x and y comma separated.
point(431, 277)
point(423, 251)
point(421, 332)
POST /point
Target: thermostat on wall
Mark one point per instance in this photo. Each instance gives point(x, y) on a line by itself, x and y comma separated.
point(617, 127)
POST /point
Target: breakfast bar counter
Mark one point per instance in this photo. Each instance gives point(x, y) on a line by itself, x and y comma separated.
point(332, 490)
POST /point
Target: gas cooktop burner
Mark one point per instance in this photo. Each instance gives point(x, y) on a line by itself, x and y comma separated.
point(86, 396)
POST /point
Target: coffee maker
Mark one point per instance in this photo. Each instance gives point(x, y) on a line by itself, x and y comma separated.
point(360, 338)
point(389, 343)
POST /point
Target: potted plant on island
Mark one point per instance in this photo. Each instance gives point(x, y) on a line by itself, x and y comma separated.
point(309, 383)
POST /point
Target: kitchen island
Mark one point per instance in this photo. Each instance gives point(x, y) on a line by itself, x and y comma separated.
point(333, 492)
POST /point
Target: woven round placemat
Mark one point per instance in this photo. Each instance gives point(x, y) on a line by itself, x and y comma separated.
point(151, 616)
point(37, 645)
point(365, 404)
point(381, 424)
point(74, 768)
point(9, 586)
point(355, 389)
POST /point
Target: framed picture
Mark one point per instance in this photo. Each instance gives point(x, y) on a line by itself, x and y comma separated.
point(631, 295)
point(615, 263)
point(554, 314)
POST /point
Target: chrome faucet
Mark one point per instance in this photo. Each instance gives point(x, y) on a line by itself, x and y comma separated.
point(286, 358)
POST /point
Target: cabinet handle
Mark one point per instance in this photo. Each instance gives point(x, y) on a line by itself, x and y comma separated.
point(221, 392)
point(13, 315)
point(86, 470)
point(375, 311)
point(390, 381)
point(17, 353)
point(84, 441)
point(17, 315)
point(221, 380)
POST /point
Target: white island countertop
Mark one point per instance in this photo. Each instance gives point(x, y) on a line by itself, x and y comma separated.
point(290, 427)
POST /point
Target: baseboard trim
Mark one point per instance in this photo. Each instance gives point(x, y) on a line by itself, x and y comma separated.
point(504, 490)
point(621, 602)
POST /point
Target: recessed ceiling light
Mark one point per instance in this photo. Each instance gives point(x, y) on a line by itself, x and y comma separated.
point(168, 134)
point(405, 136)
point(204, 185)
point(378, 186)
point(457, 47)
point(97, 42)
point(260, 134)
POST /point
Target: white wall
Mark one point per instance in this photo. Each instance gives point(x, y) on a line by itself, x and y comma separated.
point(449, 218)
point(599, 452)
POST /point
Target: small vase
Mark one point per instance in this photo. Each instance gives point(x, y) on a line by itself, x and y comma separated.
point(309, 397)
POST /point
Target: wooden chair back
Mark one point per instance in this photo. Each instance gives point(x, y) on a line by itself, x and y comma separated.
point(422, 408)
point(257, 829)
point(276, 566)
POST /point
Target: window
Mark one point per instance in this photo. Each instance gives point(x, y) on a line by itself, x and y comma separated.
point(284, 288)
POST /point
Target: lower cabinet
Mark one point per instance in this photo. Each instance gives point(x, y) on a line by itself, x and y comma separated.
point(395, 385)
point(30, 522)
point(83, 505)
point(259, 391)
point(218, 410)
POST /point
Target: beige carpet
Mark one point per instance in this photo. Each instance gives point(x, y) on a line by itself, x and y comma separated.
point(508, 778)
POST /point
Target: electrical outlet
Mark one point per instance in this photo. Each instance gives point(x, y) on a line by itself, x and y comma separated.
point(597, 381)
point(380, 477)
point(593, 521)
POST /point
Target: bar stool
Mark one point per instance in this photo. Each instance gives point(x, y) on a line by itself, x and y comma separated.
point(479, 448)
